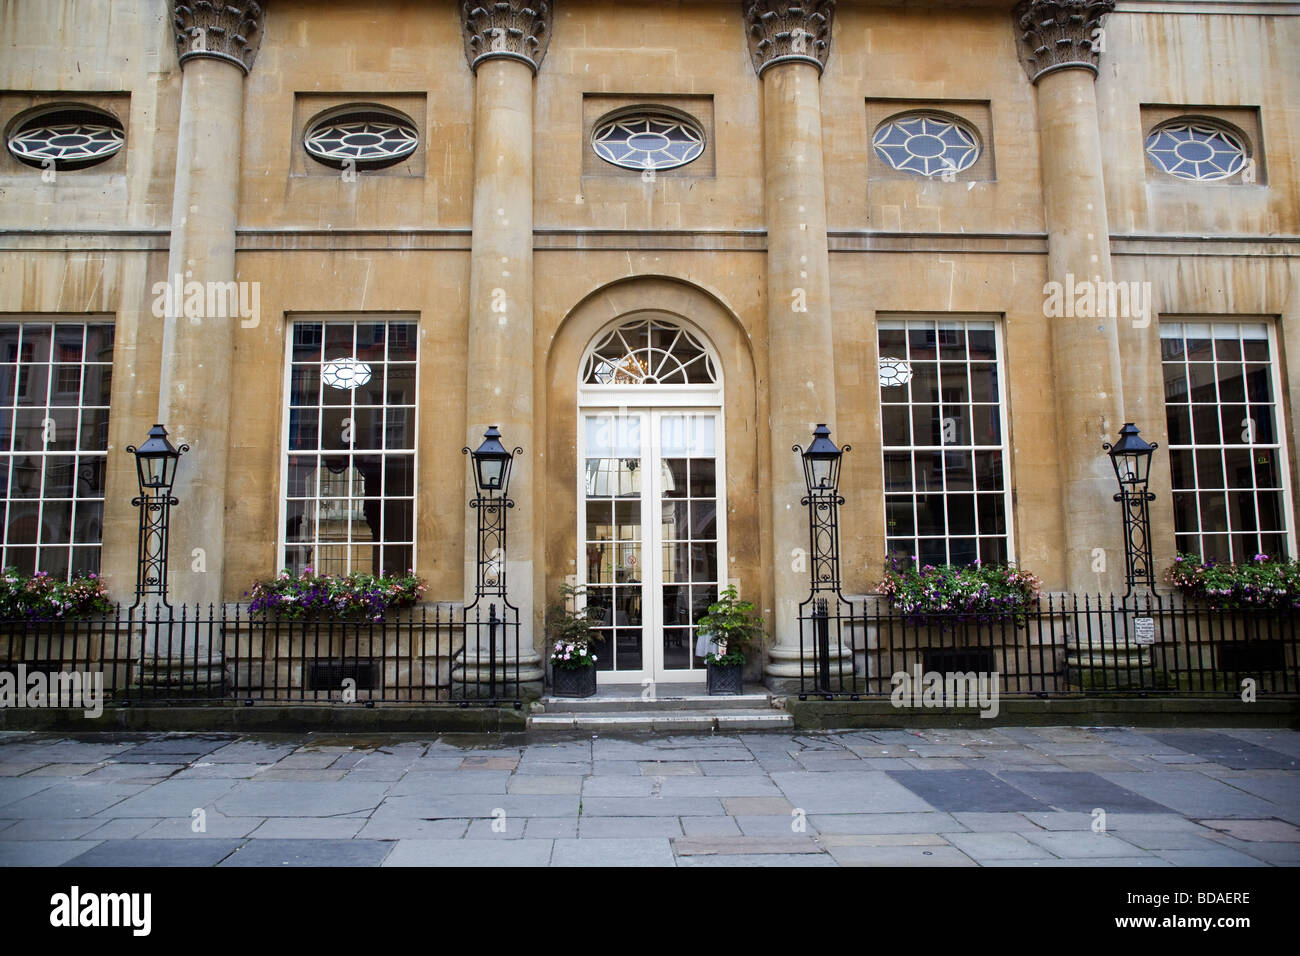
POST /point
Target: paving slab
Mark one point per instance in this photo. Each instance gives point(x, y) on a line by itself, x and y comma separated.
point(629, 827)
point(764, 860)
point(477, 805)
point(120, 853)
point(845, 823)
point(635, 852)
point(996, 846)
point(451, 782)
point(331, 853)
point(1231, 752)
point(709, 826)
point(42, 852)
point(1079, 790)
point(1256, 831)
point(1219, 856)
point(1076, 844)
point(37, 830)
point(503, 853)
point(964, 790)
point(309, 799)
point(900, 856)
point(173, 798)
point(215, 827)
point(774, 825)
point(67, 800)
point(650, 807)
point(413, 829)
point(551, 828)
point(874, 791)
point(313, 828)
point(768, 845)
point(1194, 794)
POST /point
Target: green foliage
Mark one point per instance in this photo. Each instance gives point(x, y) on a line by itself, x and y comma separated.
point(571, 631)
point(1262, 582)
point(734, 627)
point(41, 597)
point(355, 596)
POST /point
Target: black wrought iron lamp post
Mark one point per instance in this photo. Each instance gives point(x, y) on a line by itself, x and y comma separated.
point(492, 465)
point(155, 465)
point(821, 468)
point(1131, 458)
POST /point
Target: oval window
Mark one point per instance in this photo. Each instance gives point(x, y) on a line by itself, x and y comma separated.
point(369, 137)
point(68, 137)
point(1197, 150)
point(648, 139)
point(928, 144)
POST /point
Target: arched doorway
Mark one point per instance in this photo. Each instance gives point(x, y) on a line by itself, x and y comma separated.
point(652, 535)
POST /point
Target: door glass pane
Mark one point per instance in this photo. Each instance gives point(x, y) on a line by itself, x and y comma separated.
point(687, 435)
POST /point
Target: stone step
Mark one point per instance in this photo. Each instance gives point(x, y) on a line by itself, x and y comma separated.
point(662, 720)
point(610, 701)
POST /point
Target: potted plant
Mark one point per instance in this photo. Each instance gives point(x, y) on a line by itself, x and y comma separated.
point(728, 630)
point(570, 632)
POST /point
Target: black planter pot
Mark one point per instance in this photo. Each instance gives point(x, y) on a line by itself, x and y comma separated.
point(726, 679)
point(573, 682)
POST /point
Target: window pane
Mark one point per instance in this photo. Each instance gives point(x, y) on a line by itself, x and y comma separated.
point(351, 508)
point(52, 461)
point(953, 405)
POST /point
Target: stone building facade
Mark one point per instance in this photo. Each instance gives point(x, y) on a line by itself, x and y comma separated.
point(655, 243)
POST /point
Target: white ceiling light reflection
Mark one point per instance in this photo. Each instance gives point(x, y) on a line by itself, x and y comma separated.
point(345, 374)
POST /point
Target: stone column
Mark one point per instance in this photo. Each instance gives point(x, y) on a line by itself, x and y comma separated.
point(505, 43)
point(1058, 42)
point(789, 44)
point(216, 43)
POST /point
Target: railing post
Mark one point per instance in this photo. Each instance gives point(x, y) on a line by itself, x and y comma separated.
point(823, 647)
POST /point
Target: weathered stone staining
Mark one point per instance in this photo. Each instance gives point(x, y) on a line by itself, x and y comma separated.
point(198, 351)
point(781, 32)
point(505, 44)
point(1061, 61)
point(1060, 34)
point(798, 276)
point(516, 29)
point(224, 31)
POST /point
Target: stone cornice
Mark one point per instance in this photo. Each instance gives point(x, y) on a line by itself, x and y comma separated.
point(230, 31)
point(1059, 34)
point(779, 31)
point(515, 29)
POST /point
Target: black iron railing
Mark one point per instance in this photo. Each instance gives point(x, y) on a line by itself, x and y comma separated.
point(161, 654)
point(1061, 645)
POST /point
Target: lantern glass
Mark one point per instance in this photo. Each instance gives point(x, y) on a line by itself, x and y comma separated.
point(821, 463)
point(155, 462)
point(489, 473)
point(491, 464)
point(1131, 457)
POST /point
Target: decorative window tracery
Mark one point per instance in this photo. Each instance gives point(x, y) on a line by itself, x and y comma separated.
point(646, 139)
point(928, 144)
point(367, 137)
point(1196, 150)
point(649, 352)
point(70, 138)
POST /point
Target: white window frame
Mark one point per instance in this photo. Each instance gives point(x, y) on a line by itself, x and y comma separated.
point(1279, 424)
point(283, 508)
point(44, 454)
point(890, 321)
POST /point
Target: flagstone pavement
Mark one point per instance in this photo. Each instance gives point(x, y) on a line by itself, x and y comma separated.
point(1041, 796)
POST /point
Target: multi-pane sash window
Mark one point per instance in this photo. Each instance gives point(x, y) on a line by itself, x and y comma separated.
point(350, 447)
point(1227, 460)
point(55, 380)
point(943, 440)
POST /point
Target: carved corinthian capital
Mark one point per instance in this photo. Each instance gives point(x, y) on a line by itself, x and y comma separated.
point(781, 32)
point(1059, 34)
point(518, 29)
point(224, 31)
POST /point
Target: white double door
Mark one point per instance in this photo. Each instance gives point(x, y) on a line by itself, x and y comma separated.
point(652, 536)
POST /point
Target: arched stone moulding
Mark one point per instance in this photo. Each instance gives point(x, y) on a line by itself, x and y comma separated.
point(1059, 34)
point(515, 29)
point(222, 31)
point(782, 32)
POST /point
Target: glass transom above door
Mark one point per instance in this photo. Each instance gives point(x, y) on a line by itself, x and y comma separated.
point(652, 537)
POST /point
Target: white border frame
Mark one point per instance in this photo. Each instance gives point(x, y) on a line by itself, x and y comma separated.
point(885, 319)
point(290, 320)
